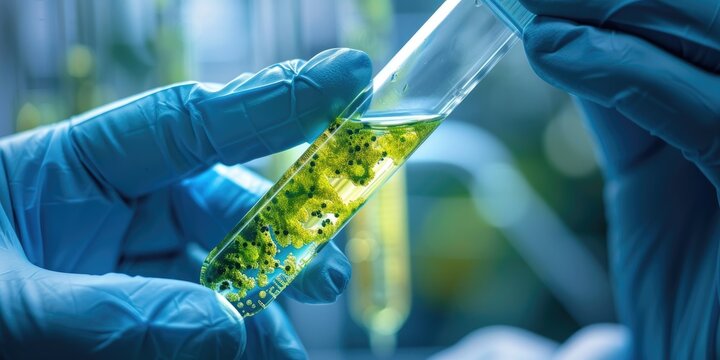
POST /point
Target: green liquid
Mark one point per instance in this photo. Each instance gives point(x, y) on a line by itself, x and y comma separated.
point(312, 201)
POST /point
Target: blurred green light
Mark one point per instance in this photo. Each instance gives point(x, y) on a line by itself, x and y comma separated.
point(568, 145)
point(79, 61)
point(28, 117)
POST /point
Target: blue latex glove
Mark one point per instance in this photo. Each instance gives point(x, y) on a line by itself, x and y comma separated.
point(648, 74)
point(131, 188)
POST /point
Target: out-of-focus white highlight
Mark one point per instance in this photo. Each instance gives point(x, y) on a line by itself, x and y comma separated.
point(568, 145)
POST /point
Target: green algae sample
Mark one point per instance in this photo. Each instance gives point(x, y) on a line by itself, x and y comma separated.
point(308, 205)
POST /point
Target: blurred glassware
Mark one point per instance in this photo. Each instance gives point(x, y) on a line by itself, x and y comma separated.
point(68, 57)
point(378, 249)
point(378, 244)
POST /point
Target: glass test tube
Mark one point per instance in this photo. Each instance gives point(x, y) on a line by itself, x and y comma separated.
point(361, 149)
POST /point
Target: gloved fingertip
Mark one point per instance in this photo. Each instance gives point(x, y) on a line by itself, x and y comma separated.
point(323, 279)
point(564, 53)
point(340, 277)
point(340, 75)
point(336, 274)
point(350, 64)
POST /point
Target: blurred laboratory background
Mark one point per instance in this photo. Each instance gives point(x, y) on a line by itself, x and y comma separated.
point(497, 219)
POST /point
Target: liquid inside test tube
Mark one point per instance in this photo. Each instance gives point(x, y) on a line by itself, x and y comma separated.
point(312, 201)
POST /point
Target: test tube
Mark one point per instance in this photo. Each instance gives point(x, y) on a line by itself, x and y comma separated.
point(418, 88)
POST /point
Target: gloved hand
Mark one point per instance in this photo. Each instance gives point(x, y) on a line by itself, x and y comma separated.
point(130, 188)
point(648, 74)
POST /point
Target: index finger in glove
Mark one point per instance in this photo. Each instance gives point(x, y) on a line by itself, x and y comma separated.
point(157, 138)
